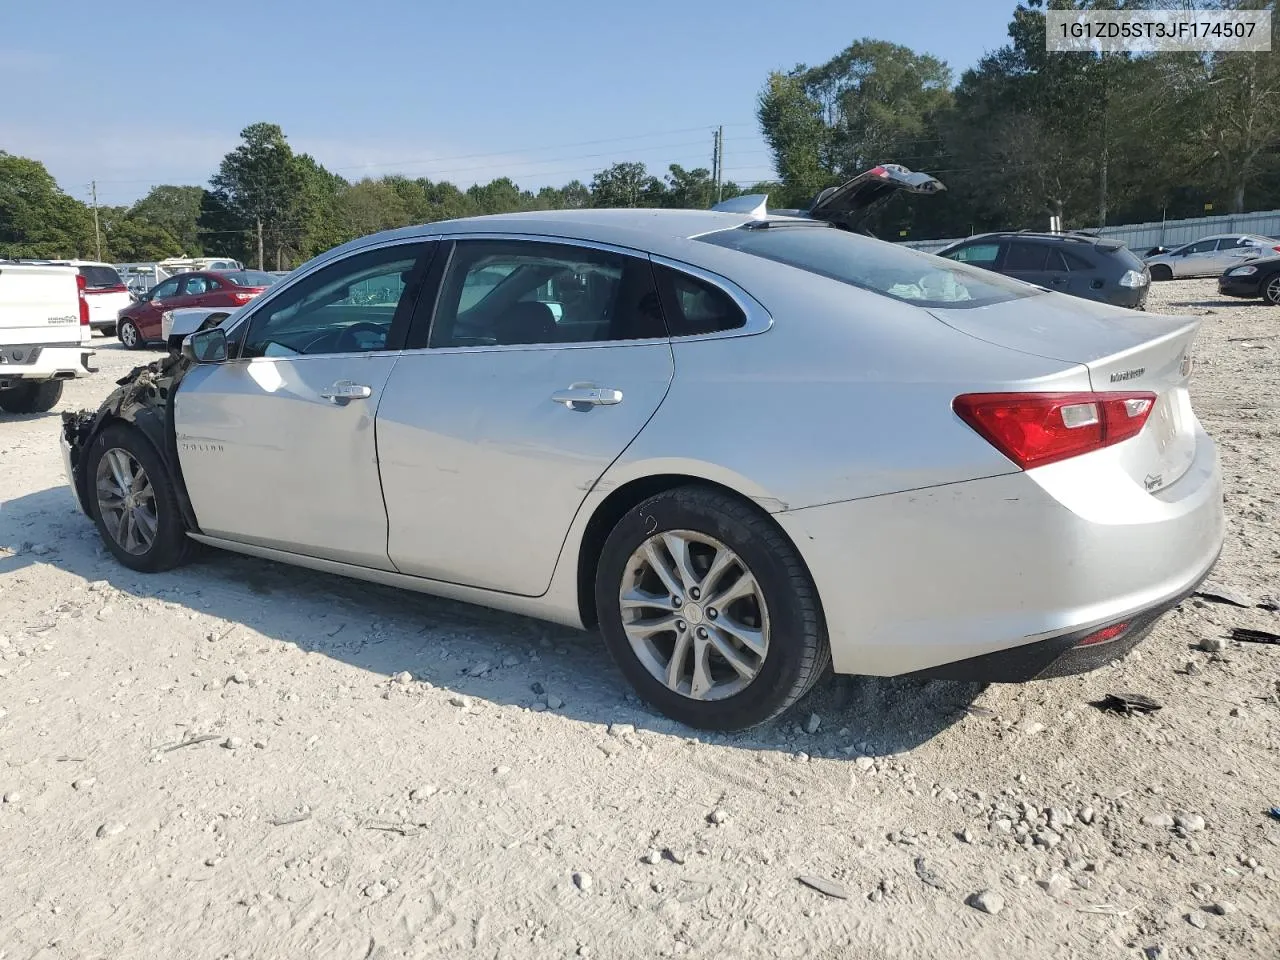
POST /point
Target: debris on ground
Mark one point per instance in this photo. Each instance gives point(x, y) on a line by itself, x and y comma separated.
point(827, 887)
point(1127, 703)
point(988, 901)
point(1245, 635)
point(1221, 594)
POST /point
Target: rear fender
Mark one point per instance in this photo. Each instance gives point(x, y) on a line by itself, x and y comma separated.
point(144, 400)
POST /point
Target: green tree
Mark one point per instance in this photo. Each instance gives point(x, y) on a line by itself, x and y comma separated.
point(36, 218)
point(175, 210)
point(626, 185)
point(261, 182)
point(692, 189)
point(369, 206)
point(127, 238)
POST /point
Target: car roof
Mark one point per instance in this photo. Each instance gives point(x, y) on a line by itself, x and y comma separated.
point(659, 231)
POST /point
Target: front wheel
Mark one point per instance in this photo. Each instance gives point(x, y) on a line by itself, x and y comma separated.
point(1271, 290)
point(31, 396)
point(709, 611)
point(1161, 272)
point(134, 503)
point(129, 335)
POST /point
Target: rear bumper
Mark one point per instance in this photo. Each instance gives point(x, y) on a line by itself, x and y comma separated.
point(40, 362)
point(1004, 575)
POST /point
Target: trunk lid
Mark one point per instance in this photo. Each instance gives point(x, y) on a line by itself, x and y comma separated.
point(39, 304)
point(850, 202)
point(1124, 350)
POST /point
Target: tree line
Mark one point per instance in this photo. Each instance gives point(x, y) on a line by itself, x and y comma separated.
point(1021, 136)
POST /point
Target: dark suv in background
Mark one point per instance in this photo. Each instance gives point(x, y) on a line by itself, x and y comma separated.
point(1076, 263)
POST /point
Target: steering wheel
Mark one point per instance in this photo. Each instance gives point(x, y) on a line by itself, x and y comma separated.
point(347, 343)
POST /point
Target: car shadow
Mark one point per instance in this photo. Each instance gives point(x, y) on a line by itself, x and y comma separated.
point(385, 631)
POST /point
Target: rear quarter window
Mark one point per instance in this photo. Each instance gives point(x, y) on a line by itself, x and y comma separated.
point(897, 272)
point(694, 307)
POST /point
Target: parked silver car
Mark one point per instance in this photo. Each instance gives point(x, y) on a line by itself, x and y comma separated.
point(745, 446)
point(1210, 256)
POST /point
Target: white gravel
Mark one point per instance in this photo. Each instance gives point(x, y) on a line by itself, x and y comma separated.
point(314, 848)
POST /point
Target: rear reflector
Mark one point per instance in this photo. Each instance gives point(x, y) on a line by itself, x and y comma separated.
point(84, 303)
point(1104, 635)
point(1034, 429)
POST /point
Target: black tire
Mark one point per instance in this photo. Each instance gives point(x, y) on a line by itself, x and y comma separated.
point(1161, 272)
point(32, 396)
point(109, 331)
point(798, 653)
point(130, 335)
point(171, 547)
point(1271, 289)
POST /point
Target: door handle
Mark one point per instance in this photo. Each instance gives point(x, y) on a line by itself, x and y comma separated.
point(584, 396)
point(344, 390)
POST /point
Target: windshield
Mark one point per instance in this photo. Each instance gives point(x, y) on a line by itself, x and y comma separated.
point(250, 278)
point(100, 278)
point(885, 268)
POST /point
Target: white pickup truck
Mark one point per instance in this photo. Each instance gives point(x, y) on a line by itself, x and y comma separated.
point(44, 334)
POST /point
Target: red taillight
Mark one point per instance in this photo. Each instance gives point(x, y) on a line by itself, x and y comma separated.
point(1276, 249)
point(84, 302)
point(1105, 635)
point(1034, 429)
point(244, 296)
point(118, 288)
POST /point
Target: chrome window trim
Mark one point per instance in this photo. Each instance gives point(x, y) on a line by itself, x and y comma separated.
point(320, 263)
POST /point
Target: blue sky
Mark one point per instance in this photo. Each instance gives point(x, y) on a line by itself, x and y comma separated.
point(135, 94)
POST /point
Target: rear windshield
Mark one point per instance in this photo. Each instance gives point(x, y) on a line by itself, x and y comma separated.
point(250, 278)
point(898, 272)
point(99, 278)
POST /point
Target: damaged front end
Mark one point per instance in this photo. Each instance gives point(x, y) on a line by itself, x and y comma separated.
point(142, 398)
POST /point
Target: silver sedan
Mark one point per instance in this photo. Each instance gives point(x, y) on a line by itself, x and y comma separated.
point(744, 446)
point(1210, 256)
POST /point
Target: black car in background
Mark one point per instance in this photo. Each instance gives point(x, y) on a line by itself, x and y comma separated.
point(1255, 280)
point(1076, 263)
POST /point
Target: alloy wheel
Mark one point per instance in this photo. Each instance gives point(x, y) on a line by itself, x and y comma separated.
point(694, 614)
point(126, 501)
point(128, 335)
point(1272, 292)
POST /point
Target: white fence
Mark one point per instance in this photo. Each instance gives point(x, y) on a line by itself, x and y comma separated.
point(1140, 237)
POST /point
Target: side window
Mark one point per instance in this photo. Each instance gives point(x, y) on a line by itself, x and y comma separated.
point(1075, 261)
point(194, 286)
point(694, 307)
point(166, 289)
point(508, 292)
point(979, 254)
point(1025, 256)
point(1057, 261)
point(347, 307)
point(1202, 246)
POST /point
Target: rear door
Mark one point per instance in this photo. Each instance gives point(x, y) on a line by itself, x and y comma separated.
point(1027, 260)
point(543, 362)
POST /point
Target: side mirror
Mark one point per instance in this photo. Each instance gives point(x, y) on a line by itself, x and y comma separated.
point(206, 346)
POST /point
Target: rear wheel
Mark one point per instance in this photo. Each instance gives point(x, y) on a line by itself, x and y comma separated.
point(709, 611)
point(31, 396)
point(1271, 290)
point(109, 330)
point(129, 335)
point(134, 503)
point(1161, 272)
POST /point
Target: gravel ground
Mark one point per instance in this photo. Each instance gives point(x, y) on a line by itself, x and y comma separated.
point(240, 759)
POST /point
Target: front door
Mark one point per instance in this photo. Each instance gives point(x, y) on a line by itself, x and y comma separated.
point(277, 445)
point(545, 360)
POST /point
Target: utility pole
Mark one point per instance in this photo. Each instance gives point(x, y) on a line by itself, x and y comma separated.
point(715, 157)
point(720, 164)
point(260, 261)
point(97, 234)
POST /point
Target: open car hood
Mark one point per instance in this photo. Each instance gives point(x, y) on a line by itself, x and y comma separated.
point(847, 204)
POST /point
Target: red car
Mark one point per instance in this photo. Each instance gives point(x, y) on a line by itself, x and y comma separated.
point(139, 323)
